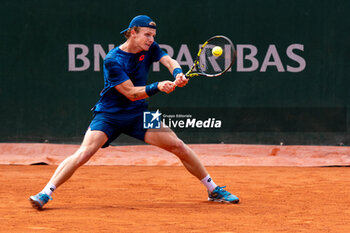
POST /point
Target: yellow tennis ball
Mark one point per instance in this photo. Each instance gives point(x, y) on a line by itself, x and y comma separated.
point(217, 51)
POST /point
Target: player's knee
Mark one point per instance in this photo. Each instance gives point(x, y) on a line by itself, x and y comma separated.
point(82, 156)
point(178, 147)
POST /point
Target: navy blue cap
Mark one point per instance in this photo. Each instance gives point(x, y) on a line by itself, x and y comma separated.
point(140, 21)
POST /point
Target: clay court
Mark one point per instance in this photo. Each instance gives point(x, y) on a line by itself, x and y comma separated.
point(154, 194)
point(267, 111)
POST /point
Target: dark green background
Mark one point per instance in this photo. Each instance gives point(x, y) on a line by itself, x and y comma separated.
point(41, 100)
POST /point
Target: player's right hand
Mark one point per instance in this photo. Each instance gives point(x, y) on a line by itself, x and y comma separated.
point(166, 86)
point(181, 80)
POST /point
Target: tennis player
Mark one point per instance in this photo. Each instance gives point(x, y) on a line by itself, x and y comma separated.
point(121, 106)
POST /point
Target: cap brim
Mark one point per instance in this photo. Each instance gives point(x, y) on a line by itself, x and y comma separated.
point(122, 32)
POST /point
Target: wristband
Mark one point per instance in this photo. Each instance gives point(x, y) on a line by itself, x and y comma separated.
point(177, 71)
point(152, 89)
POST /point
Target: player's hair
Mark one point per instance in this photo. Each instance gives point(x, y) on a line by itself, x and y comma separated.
point(137, 29)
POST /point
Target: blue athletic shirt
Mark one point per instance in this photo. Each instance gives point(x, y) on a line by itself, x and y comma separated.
point(120, 66)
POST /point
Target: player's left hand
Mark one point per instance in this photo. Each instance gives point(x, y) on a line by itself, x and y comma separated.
point(166, 86)
point(181, 80)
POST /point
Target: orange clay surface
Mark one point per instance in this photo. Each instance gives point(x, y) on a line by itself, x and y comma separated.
point(145, 190)
point(168, 199)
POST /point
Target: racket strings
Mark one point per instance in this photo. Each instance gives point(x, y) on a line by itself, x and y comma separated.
point(215, 64)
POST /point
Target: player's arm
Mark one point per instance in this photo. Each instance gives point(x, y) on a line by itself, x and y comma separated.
point(175, 69)
point(124, 85)
point(133, 93)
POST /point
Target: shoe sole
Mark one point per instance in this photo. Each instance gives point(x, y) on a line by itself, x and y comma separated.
point(222, 201)
point(35, 204)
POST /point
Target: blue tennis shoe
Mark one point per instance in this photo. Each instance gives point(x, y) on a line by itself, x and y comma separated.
point(39, 200)
point(219, 194)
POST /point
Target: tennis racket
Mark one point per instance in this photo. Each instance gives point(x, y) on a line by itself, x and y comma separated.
point(214, 58)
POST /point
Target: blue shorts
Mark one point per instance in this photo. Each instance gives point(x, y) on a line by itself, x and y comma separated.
point(114, 124)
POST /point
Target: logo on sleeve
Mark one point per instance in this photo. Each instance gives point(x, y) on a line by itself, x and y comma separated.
point(142, 57)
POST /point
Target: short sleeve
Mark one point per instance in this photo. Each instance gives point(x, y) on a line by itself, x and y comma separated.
point(115, 74)
point(157, 52)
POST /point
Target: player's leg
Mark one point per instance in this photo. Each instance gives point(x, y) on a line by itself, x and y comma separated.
point(93, 140)
point(167, 140)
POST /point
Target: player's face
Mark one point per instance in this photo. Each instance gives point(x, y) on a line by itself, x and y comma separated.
point(145, 38)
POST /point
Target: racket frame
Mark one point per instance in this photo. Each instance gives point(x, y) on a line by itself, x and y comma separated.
point(190, 74)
